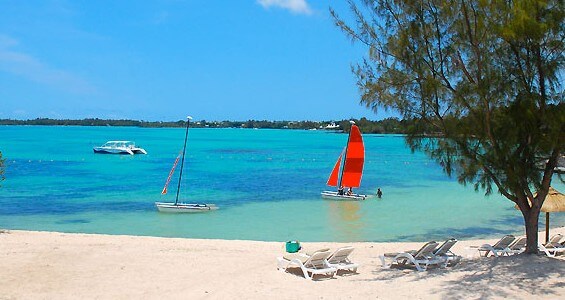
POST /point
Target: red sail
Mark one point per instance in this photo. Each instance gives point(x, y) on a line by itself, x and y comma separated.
point(171, 175)
point(354, 159)
point(332, 181)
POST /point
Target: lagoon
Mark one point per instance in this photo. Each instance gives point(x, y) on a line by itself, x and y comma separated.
point(266, 182)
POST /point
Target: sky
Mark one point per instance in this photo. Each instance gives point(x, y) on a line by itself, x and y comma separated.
point(162, 60)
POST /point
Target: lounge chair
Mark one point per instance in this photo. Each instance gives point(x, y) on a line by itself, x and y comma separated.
point(421, 259)
point(339, 259)
point(555, 241)
point(553, 246)
point(500, 248)
point(517, 246)
point(309, 264)
point(444, 251)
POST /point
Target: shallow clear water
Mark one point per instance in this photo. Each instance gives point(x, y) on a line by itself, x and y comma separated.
point(266, 182)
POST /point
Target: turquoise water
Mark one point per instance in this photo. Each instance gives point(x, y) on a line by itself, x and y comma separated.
point(266, 182)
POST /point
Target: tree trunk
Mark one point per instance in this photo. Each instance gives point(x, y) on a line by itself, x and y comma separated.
point(531, 218)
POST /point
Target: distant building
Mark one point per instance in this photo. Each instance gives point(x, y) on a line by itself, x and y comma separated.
point(332, 125)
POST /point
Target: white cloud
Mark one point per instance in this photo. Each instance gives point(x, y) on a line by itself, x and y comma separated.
point(295, 6)
point(31, 68)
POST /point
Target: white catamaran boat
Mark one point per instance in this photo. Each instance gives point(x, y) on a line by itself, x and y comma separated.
point(349, 174)
point(177, 206)
point(119, 147)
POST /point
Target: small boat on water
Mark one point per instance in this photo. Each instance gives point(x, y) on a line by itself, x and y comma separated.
point(119, 147)
point(348, 174)
point(177, 206)
point(184, 207)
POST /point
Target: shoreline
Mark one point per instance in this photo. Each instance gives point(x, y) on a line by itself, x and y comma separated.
point(53, 265)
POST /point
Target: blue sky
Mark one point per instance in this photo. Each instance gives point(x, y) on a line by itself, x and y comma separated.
point(163, 60)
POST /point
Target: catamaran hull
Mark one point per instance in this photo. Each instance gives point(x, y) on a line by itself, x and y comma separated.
point(167, 207)
point(103, 150)
point(335, 196)
point(112, 151)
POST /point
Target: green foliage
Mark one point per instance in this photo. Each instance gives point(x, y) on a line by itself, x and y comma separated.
point(389, 125)
point(480, 77)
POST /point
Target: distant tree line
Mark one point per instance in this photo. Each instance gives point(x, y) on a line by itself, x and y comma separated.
point(389, 125)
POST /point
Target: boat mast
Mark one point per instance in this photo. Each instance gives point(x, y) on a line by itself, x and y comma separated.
point(344, 156)
point(182, 160)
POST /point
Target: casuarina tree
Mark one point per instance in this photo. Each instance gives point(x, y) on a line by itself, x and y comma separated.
point(481, 79)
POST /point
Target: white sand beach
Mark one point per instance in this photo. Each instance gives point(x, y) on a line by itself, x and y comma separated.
point(50, 265)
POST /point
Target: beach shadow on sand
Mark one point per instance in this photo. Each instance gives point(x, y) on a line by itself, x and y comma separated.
point(298, 272)
point(506, 276)
point(490, 277)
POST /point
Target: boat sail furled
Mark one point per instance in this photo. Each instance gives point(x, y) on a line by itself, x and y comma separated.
point(353, 157)
point(180, 207)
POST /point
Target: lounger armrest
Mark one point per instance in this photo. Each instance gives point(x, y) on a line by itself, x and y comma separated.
point(485, 247)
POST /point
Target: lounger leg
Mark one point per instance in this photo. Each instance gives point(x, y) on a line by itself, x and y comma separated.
point(383, 262)
point(445, 263)
point(415, 263)
point(305, 272)
point(282, 264)
point(488, 249)
point(418, 267)
point(546, 251)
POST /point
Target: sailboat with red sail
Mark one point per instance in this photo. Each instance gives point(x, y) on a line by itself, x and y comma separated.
point(348, 169)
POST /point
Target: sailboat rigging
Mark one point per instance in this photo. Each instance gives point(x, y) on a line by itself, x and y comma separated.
point(180, 207)
point(347, 174)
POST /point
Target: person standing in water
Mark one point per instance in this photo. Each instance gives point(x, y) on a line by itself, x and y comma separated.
point(379, 193)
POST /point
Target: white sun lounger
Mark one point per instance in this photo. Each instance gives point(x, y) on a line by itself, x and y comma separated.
point(498, 249)
point(444, 251)
point(421, 259)
point(556, 240)
point(553, 246)
point(339, 259)
point(310, 265)
point(517, 246)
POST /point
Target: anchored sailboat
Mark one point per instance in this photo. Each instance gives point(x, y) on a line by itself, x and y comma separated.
point(348, 175)
point(180, 207)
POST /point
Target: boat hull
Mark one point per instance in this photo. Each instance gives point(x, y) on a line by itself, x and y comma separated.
point(171, 207)
point(112, 151)
point(139, 151)
point(328, 195)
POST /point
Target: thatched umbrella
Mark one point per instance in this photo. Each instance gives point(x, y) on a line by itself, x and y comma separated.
point(554, 202)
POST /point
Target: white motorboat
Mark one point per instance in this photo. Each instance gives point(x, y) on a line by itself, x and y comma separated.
point(119, 147)
point(177, 206)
